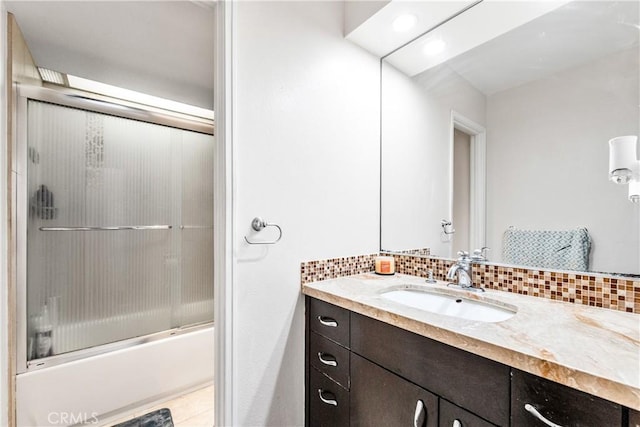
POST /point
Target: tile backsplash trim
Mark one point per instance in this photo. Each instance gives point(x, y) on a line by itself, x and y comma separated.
point(599, 291)
point(315, 271)
point(579, 288)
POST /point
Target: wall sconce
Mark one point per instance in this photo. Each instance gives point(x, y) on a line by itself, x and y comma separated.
point(624, 166)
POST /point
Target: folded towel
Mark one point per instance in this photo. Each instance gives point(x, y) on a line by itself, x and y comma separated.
point(563, 250)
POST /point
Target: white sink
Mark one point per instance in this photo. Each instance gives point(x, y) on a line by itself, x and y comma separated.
point(450, 304)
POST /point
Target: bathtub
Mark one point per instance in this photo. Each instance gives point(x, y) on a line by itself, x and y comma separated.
point(98, 388)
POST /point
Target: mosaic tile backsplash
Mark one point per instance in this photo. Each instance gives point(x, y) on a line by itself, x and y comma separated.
point(315, 271)
point(616, 293)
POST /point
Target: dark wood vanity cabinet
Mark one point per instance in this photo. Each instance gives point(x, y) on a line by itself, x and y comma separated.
point(454, 416)
point(327, 369)
point(380, 398)
point(469, 381)
point(328, 402)
point(534, 398)
point(363, 372)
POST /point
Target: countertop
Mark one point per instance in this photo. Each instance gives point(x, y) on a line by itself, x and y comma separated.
point(591, 349)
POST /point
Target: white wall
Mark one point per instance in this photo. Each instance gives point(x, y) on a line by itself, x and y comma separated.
point(556, 130)
point(416, 152)
point(306, 157)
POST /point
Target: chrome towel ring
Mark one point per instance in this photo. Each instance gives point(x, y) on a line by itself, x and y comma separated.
point(258, 224)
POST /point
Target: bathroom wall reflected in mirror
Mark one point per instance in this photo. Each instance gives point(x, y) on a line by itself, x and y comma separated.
point(503, 127)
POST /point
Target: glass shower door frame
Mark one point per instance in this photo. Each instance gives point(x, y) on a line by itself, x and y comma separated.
point(93, 103)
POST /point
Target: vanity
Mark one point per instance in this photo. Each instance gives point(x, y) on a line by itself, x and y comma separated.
point(374, 361)
point(493, 140)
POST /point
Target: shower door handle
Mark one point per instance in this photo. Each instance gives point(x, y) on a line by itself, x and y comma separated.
point(117, 228)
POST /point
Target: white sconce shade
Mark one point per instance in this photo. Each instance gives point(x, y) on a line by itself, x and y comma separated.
point(623, 160)
point(634, 191)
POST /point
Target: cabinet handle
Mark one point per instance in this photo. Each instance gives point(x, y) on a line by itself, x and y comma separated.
point(420, 416)
point(456, 423)
point(321, 357)
point(533, 411)
point(327, 401)
point(328, 321)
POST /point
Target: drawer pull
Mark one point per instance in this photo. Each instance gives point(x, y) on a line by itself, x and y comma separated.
point(330, 362)
point(327, 321)
point(333, 402)
point(456, 423)
point(420, 416)
point(533, 411)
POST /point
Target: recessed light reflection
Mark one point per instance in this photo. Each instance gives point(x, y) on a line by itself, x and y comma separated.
point(434, 47)
point(404, 23)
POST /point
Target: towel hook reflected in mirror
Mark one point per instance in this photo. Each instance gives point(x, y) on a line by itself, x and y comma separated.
point(447, 227)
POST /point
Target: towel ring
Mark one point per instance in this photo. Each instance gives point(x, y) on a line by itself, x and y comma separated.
point(258, 224)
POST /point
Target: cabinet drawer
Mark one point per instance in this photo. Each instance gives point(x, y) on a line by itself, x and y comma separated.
point(329, 358)
point(634, 418)
point(328, 402)
point(380, 398)
point(450, 413)
point(470, 381)
point(329, 321)
point(559, 404)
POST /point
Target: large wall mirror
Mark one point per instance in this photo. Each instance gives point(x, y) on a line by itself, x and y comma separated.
point(496, 125)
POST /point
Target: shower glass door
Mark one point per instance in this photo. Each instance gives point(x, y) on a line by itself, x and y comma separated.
point(119, 229)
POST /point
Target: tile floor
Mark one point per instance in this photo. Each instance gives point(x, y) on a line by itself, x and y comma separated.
point(194, 409)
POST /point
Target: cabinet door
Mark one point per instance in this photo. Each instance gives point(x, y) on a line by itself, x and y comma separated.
point(472, 382)
point(328, 402)
point(634, 418)
point(380, 398)
point(454, 416)
point(534, 399)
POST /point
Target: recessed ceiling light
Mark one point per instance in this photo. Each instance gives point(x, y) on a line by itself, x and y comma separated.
point(404, 23)
point(434, 47)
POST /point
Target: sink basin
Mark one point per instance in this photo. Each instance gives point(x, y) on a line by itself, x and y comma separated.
point(450, 305)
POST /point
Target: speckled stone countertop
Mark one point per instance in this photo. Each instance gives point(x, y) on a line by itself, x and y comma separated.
point(591, 349)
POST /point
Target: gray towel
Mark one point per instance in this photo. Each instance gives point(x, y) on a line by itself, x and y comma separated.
point(562, 250)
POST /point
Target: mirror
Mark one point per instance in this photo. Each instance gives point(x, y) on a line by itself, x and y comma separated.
point(497, 125)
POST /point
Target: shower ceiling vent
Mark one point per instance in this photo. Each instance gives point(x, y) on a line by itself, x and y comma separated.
point(51, 76)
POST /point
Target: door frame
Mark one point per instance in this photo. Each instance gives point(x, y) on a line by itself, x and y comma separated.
point(224, 208)
point(478, 174)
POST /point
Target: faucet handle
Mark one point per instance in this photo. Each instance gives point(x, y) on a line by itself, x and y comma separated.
point(479, 254)
point(463, 255)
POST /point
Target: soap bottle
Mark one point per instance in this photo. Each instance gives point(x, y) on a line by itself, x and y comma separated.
point(43, 335)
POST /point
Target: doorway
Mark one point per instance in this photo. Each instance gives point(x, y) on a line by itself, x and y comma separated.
point(467, 183)
point(221, 171)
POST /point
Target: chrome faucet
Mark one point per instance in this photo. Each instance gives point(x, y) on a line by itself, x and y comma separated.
point(463, 268)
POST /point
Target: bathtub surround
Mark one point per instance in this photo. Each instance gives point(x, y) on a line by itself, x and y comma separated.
point(597, 290)
point(136, 376)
